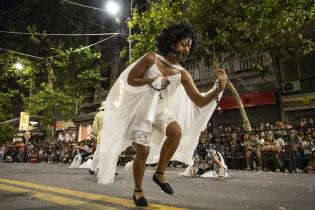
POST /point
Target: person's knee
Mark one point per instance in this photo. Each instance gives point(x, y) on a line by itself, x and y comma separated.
point(174, 132)
point(177, 135)
point(143, 153)
point(248, 154)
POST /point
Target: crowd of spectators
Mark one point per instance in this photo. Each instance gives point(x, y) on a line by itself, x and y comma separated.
point(276, 147)
point(46, 151)
point(268, 146)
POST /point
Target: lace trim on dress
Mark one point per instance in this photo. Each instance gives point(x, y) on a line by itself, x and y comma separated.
point(144, 138)
point(141, 137)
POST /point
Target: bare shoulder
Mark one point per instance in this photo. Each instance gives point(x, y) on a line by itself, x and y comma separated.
point(149, 59)
point(185, 75)
point(142, 65)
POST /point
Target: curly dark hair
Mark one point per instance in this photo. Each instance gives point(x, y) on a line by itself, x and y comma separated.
point(174, 33)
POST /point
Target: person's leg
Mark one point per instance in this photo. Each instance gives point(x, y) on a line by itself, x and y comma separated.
point(279, 160)
point(217, 162)
point(173, 134)
point(220, 167)
point(258, 156)
point(297, 159)
point(142, 153)
point(247, 158)
point(96, 157)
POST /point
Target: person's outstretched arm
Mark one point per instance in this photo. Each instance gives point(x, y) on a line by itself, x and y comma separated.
point(194, 93)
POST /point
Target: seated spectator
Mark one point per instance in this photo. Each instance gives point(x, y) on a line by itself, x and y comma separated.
point(306, 149)
point(293, 150)
point(234, 152)
point(2, 151)
point(205, 159)
point(7, 157)
point(252, 147)
point(32, 156)
point(271, 148)
point(311, 163)
point(310, 123)
point(280, 130)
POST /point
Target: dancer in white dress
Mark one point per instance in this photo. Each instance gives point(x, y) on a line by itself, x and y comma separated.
point(156, 104)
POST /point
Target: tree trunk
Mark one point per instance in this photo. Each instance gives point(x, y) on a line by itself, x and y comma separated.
point(246, 123)
point(240, 105)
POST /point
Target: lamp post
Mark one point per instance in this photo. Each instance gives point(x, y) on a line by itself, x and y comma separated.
point(129, 41)
point(113, 8)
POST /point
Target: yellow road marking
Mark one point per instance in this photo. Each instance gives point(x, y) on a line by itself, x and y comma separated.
point(90, 196)
point(57, 199)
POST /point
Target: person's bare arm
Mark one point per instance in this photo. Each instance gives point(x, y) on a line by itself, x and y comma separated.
point(135, 77)
point(194, 93)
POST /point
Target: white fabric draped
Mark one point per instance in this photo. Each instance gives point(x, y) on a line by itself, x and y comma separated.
point(125, 104)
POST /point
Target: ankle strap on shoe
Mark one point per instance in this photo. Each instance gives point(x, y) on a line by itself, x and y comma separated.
point(159, 173)
point(137, 190)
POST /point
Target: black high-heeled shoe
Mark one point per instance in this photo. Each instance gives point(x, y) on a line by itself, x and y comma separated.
point(166, 187)
point(142, 202)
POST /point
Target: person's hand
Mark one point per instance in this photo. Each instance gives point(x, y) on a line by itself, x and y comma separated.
point(160, 83)
point(222, 77)
point(165, 82)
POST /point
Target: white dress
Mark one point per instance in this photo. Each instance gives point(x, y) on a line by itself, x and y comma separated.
point(162, 118)
point(141, 112)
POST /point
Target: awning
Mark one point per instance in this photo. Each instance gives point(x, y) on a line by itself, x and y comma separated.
point(87, 117)
point(16, 121)
point(249, 100)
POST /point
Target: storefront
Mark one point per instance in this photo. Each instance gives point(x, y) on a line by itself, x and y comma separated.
point(84, 124)
point(66, 131)
point(260, 107)
point(297, 106)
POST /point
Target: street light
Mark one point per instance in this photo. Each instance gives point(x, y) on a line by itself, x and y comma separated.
point(19, 66)
point(113, 8)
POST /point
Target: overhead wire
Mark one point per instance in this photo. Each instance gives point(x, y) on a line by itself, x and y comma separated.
point(44, 34)
point(85, 47)
point(77, 50)
point(55, 34)
point(89, 21)
point(19, 53)
point(82, 5)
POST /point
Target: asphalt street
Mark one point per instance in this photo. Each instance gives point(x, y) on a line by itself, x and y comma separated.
point(55, 186)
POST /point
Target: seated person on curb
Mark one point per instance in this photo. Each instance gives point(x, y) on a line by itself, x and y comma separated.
point(206, 158)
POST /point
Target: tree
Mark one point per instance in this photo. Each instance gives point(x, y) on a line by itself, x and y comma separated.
point(69, 78)
point(6, 131)
point(229, 28)
point(56, 79)
point(148, 24)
